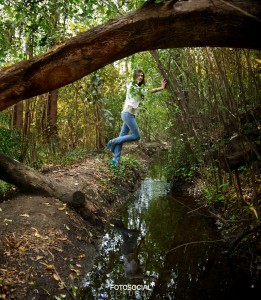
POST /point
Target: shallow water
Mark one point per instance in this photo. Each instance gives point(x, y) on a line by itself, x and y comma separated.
point(161, 249)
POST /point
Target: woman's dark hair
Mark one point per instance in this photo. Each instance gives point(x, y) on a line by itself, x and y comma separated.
point(135, 74)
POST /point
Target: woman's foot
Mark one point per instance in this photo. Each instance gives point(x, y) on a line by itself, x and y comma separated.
point(110, 145)
point(114, 162)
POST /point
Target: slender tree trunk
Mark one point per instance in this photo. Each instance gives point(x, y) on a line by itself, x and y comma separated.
point(52, 134)
point(18, 116)
point(26, 129)
point(99, 136)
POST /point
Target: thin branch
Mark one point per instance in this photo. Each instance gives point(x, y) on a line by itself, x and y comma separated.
point(189, 208)
point(241, 236)
point(204, 205)
point(229, 221)
point(241, 10)
point(63, 284)
point(196, 242)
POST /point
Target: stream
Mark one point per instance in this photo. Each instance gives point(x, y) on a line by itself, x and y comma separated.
point(160, 247)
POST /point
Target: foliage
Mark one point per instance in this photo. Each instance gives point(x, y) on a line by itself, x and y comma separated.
point(128, 166)
point(211, 89)
point(181, 166)
point(10, 142)
point(65, 158)
point(9, 145)
point(72, 157)
point(4, 187)
point(37, 25)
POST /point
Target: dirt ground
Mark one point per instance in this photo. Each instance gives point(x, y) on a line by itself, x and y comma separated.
point(46, 247)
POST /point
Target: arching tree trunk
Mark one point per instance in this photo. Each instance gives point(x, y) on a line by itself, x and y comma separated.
point(231, 23)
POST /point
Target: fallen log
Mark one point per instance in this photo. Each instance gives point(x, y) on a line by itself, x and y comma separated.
point(30, 180)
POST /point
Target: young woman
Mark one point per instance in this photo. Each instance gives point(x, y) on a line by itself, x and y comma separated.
point(135, 93)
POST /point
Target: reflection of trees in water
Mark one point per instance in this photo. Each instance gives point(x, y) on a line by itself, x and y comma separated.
point(166, 225)
point(189, 272)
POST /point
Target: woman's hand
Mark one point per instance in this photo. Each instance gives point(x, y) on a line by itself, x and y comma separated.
point(162, 87)
point(163, 83)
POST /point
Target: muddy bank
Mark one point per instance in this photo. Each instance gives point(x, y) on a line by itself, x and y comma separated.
point(46, 247)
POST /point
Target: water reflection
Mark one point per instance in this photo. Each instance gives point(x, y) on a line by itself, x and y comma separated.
point(129, 249)
point(140, 250)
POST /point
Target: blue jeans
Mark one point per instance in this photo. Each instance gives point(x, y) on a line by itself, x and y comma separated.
point(129, 125)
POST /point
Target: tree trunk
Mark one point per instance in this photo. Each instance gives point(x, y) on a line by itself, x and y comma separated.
point(170, 24)
point(51, 115)
point(18, 116)
point(29, 180)
point(26, 130)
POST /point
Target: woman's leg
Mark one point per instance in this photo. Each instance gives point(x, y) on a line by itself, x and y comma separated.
point(129, 121)
point(118, 147)
point(129, 124)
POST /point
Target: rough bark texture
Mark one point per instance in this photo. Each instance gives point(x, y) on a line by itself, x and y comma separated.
point(172, 24)
point(29, 180)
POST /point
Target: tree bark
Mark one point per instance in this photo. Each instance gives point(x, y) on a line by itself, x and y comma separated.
point(171, 24)
point(51, 130)
point(29, 180)
point(17, 121)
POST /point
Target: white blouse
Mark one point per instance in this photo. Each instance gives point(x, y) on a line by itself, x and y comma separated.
point(134, 95)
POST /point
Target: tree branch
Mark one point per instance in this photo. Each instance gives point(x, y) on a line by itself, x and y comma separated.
point(184, 24)
point(196, 242)
point(241, 237)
